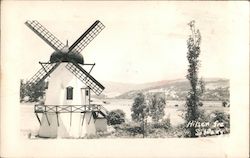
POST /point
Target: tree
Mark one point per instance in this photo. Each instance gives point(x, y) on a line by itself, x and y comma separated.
point(194, 94)
point(32, 91)
point(116, 117)
point(156, 103)
point(22, 90)
point(140, 111)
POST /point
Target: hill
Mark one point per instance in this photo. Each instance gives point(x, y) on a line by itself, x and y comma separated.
point(216, 89)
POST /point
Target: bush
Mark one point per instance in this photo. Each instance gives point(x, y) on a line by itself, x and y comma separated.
point(218, 123)
point(160, 129)
point(200, 104)
point(221, 117)
point(164, 124)
point(136, 130)
point(116, 117)
point(157, 133)
point(180, 131)
point(128, 130)
point(224, 103)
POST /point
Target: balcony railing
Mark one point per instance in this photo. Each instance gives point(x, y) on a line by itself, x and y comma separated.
point(69, 108)
point(57, 109)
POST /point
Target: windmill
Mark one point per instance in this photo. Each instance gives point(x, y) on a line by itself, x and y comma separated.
point(68, 111)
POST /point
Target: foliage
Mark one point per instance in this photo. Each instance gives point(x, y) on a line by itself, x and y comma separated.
point(140, 110)
point(221, 117)
point(225, 104)
point(135, 130)
point(156, 103)
point(115, 117)
point(180, 131)
point(131, 129)
point(218, 122)
point(158, 133)
point(32, 92)
point(164, 124)
point(200, 104)
point(23, 92)
point(193, 97)
point(152, 105)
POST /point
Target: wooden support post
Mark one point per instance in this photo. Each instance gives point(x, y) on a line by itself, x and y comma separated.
point(47, 118)
point(83, 118)
point(89, 95)
point(70, 115)
point(94, 116)
point(90, 118)
point(57, 116)
point(57, 119)
point(38, 119)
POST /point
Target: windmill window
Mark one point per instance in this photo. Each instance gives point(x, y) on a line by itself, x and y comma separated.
point(69, 93)
point(87, 92)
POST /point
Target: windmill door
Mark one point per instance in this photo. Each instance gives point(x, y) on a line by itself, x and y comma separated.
point(85, 93)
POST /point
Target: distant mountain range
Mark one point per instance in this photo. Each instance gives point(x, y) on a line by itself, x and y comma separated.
point(216, 89)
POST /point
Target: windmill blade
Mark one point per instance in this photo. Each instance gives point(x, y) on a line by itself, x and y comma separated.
point(85, 77)
point(43, 73)
point(43, 33)
point(87, 37)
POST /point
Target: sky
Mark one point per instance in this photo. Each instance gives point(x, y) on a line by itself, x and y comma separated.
point(142, 41)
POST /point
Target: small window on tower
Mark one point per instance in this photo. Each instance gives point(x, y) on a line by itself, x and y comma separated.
point(69, 93)
point(87, 92)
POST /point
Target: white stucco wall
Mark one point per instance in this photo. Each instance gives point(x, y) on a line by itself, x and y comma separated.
point(52, 130)
point(81, 125)
point(59, 80)
point(88, 127)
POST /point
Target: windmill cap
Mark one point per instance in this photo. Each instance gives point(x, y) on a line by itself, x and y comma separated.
point(66, 57)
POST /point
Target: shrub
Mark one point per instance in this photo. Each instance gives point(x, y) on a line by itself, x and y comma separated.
point(164, 124)
point(200, 104)
point(180, 131)
point(128, 130)
point(221, 117)
point(116, 117)
point(159, 129)
point(157, 133)
point(224, 104)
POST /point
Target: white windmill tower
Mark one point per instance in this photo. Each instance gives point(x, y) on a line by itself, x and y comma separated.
point(67, 111)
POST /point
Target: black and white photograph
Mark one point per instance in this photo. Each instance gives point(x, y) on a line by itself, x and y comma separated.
point(124, 79)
